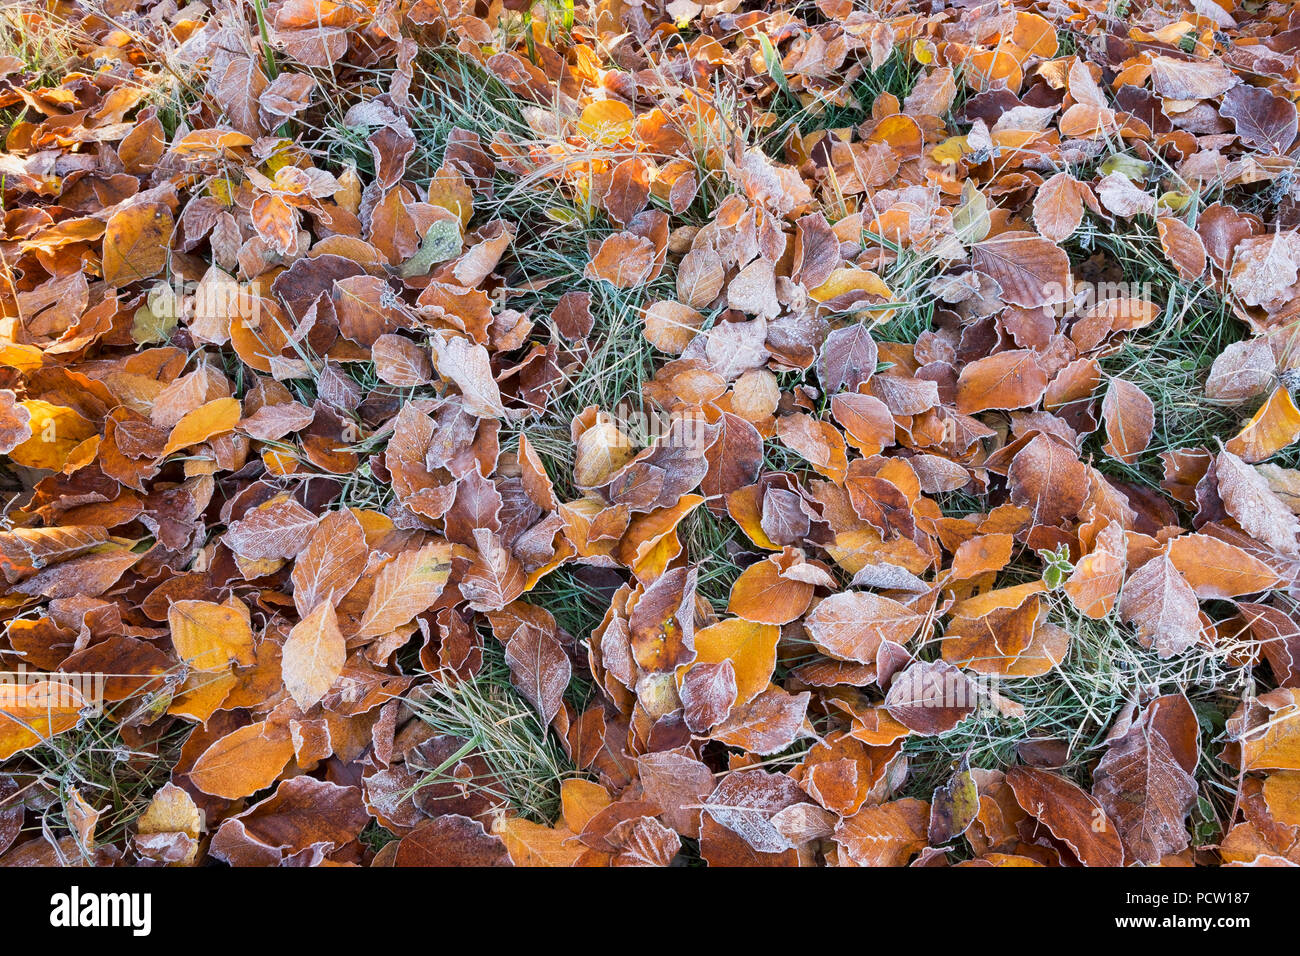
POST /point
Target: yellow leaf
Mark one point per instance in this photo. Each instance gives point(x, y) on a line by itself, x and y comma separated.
point(314, 654)
point(215, 417)
point(31, 713)
point(209, 636)
point(605, 122)
point(135, 243)
point(56, 433)
point(1272, 428)
point(531, 844)
point(750, 647)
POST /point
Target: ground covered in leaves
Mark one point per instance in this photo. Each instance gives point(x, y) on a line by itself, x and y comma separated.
point(627, 433)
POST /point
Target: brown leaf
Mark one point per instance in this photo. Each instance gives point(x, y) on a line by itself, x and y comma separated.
point(1162, 606)
point(699, 278)
point(1241, 372)
point(1190, 79)
point(763, 595)
point(708, 692)
point(1262, 118)
point(304, 819)
point(451, 840)
point(366, 308)
point(746, 800)
point(1145, 791)
point(624, 260)
point(539, 669)
point(1265, 270)
point(931, 697)
point(678, 784)
point(1048, 479)
point(847, 360)
point(467, 365)
point(278, 528)
point(1095, 582)
point(1130, 419)
point(15, 427)
point(753, 290)
point(1069, 813)
point(495, 577)
point(331, 562)
point(1031, 271)
point(1270, 740)
point(1182, 246)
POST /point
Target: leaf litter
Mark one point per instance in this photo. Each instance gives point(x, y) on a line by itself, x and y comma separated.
point(315, 459)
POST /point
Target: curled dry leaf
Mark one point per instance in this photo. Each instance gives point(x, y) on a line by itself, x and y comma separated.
point(1182, 246)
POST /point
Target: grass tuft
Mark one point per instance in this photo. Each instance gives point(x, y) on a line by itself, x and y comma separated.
point(526, 764)
point(115, 778)
point(1079, 702)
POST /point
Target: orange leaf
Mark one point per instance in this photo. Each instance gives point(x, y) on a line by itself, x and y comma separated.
point(762, 595)
point(1130, 419)
point(1272, 428)
point(243, 761)
point(1012, 379)
point(213, 418)
point(135, 243)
